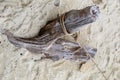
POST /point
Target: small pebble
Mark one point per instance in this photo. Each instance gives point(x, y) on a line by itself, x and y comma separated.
point(57, 3)
point(21, 54)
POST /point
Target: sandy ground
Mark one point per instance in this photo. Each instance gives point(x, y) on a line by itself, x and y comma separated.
point(25, 18)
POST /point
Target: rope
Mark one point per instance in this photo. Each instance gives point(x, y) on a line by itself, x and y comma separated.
point(66, 32)
point(63, 25)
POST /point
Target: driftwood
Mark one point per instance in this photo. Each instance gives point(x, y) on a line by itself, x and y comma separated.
point(48, 40)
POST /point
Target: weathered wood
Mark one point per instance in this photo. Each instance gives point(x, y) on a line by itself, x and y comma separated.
point(53, 30)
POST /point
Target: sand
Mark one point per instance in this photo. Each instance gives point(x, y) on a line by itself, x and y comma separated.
point(25, 18)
